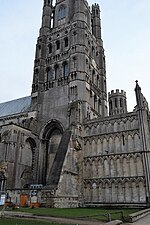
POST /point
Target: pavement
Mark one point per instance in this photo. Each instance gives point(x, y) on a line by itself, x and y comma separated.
point(144, 221)
point(49, 218)
point(13, 214)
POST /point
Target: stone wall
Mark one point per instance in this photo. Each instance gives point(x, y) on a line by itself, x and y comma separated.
point(113, 161)
point(18, 153)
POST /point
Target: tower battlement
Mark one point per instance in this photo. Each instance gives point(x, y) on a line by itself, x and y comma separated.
point(117, 102)
point(95, 5)
point(116, 93)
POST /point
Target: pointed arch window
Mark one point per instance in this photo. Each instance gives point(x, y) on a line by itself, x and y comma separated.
point(93, 49)
point(110, 104)
point(2, 182)
point(116, 102)
point(50, 48)
point(62, 12)
point(99, 106)
point(123, 140)
point(65, 69)
point(98, 81)
point(121, 102)
point(95, 102)
point(66, 41)
point(49, 74)
point(57, 45)
point(57, 72)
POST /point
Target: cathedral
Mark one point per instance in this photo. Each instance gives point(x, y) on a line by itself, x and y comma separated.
point(77, 143)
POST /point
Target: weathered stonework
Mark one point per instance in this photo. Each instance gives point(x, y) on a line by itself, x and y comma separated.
point(61, 136)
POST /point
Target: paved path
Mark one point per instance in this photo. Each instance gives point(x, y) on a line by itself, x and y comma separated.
point(143, 221)
point(53, 219)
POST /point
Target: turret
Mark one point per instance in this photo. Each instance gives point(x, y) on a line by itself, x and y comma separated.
point(40, 55)
point(96, 23)
point(47, 17)
point(117, 102)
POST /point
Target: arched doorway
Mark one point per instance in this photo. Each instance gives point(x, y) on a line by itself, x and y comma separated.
point(27, 158)
point(31, 144)
point(51, 139)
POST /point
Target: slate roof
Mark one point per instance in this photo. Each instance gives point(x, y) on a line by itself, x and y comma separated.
point(15, 106)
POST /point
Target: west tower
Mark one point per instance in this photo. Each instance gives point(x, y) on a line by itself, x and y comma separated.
point(69, 81)
point(61, 136)
point(69, 65)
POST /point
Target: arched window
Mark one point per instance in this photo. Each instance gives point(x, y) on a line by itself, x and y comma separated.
point(110, 104)
point(57, 72)
point(74, 61)
point(98, 81)
point(62, 12)
point(27, 153)
point(121, 102)
point(51, 139)
point(50, 48)
point(66, 41)
point(52, 20)
point(99, 106)
point(95, 102)
point(57, 45)
point(2, 182)
point(93, 49)
point(49, 74)
point(116, 102)
point(65, 69)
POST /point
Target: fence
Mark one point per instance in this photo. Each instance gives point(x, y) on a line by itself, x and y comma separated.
point(107, 216)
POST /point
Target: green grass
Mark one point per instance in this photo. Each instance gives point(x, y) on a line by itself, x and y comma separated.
point(79, 212)
point(5, 221)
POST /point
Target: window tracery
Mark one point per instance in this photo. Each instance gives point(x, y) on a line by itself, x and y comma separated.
point(49, 74)
point(57, 72)
point(65, 69)
point(62, 12)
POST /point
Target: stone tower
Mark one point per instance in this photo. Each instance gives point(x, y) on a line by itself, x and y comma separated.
point(70, 62)
point(117, 102)
point(69, 82)
point(60, 138)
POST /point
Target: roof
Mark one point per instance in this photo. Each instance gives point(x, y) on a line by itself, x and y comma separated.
point(15, 106)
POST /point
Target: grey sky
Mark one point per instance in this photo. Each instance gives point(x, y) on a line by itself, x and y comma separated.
point(126, 35)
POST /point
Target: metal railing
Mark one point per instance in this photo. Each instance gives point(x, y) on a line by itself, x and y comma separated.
point(106, 215)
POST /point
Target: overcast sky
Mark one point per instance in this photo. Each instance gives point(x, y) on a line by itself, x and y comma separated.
point(126, 36)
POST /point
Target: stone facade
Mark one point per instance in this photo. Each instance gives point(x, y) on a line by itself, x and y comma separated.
point(61, 136)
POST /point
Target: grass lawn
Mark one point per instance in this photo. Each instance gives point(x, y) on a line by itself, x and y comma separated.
point(5, 221)
point(79, 212)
